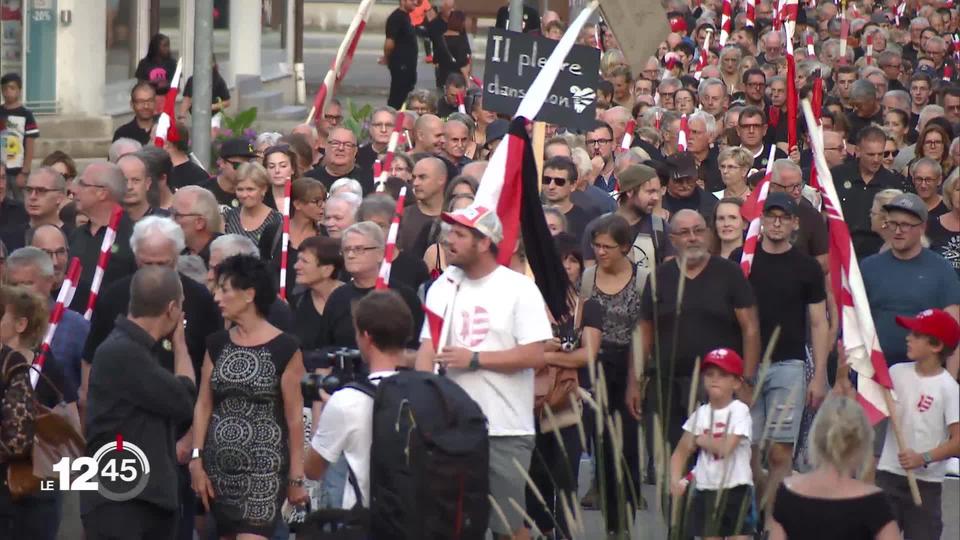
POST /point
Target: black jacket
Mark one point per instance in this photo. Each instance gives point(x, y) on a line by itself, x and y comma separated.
point(131, 394)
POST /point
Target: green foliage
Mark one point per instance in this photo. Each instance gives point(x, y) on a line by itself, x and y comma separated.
point(239, 123)
point(355, 119)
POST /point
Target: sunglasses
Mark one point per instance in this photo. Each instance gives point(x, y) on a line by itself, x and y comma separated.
point(560, 182)
point(890, 153)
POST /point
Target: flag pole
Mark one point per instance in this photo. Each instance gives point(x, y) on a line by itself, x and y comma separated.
point(826, 182)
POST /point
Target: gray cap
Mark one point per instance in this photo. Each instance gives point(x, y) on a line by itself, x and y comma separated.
point(910, 203)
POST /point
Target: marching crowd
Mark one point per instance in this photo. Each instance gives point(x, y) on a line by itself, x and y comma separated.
point(672, 367)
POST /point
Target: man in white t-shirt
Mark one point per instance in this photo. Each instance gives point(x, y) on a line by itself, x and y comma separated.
point(497, 325)
point(383, 324)
point(928, 408)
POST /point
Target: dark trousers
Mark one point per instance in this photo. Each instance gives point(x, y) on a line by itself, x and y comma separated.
point(36, 517)
point(924, 522)
point(402, 81)
point(618, 500)
point(130, 520)
point(554, 470)
point(188, 504)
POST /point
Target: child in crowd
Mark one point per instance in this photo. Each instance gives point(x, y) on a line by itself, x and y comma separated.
point(720, 432)
point(928, 409)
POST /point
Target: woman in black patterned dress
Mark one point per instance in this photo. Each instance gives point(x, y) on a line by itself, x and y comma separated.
point(249, 409)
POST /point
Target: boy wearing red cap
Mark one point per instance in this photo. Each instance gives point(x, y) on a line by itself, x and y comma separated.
point(928, 406)
point(720, 431)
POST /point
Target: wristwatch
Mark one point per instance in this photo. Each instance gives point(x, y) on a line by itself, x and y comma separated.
point(296, 481)
point(195, 454)
point(475, 361)
point(927, 458)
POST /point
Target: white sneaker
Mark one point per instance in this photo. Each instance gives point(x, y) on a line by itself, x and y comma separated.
point(953, 467)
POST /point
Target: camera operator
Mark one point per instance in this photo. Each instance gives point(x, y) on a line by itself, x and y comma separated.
point(382, 324)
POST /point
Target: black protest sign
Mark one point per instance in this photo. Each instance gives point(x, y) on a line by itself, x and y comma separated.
point(513, 62)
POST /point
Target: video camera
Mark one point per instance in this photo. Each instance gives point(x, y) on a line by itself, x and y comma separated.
point(346, 366)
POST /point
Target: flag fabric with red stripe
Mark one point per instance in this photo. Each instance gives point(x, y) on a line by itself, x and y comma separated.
point(628, 135)
point(789, 25)
point(861, 344)
point(63, 300)
point(751, 12)
point(383, 278)
point(166, 129)
point(683, 134)
point(752, 211)
point(726, 23)
point(341, 63)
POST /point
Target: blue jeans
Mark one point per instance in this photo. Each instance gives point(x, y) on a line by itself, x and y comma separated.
point(779, 407)
point(334, 482)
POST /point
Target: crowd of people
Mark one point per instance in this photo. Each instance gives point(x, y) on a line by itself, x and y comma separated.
point(192, 353)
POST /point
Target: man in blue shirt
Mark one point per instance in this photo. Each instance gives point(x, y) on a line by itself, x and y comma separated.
point(908, 278)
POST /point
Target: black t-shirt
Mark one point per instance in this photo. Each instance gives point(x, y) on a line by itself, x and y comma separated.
point(813, 236)
point(131, 130)
point(187, 173)
point(14, 223)
point(408, 271)
point(307, 321)
point(400, 30)
point(708, 319)
point(358, 173)
point(224, 199)
point(200, 314)
point(784, 285)
point(709, 170)
point(529, 23)
point(760, 160)
point(220, 90)
point(858, 122)
point(366, 156)
point(701, 201)
point(577, 221)
point(87, 247)
point(148, 70)
point(337, 330)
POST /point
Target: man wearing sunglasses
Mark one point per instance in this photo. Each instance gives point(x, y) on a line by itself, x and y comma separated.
point(233, 153)
point(559, 177)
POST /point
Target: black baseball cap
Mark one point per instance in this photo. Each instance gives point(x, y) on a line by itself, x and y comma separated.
point(683, 165)
point(782, 201)
point(237, 147)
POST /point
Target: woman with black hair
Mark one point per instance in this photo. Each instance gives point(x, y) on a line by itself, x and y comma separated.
point(248, 421)
point(158, 66)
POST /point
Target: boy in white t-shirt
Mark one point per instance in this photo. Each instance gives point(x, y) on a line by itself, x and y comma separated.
point(928, 407)
point(720, 432)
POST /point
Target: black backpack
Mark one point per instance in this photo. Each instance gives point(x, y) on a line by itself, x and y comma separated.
point(429, 462)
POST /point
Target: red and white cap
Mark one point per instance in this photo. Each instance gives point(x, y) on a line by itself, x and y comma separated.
point(725, 359)
point(934, 323)
point(479, 218)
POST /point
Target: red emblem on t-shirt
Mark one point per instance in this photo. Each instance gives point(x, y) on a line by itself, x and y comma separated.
point(474, 326)
point(925, 402)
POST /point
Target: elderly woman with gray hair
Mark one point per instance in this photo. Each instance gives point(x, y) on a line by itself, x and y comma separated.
point(944, 231)
point(362, 246)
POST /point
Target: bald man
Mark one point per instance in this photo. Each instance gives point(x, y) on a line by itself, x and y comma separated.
point(429, 183)
point(340, 161)
point(430, 135)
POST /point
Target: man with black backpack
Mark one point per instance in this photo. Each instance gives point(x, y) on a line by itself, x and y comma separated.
point(383, 325)
point(497, 325)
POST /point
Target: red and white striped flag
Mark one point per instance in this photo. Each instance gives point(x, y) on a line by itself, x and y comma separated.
point(461, 107)
point(752, 211)
point(166, 129)
point(726, 23)
point(704, 55)
point(106, 247)
point(387, 163)
point(627, 141)
point(901, 10)
point(860, 341)
point(383, 278)
point(63, 300)
point(683, 134)
point(844, 34)
point(789, 13)
point(869, 55)
point(811, 51)
point(285, 239)
point(341, 63)
point(751, 12)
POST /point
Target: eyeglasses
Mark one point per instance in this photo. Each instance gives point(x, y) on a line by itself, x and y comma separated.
point(598, 142)
point(890, 153)
point(236, 164)
point(696, 231)
point(785, 187)
point(341, 144)
point(778, 218)
point(384, 126)
point(333, 117)
point(751, 127)
point(604, 247)
point(177, 215)
point(318, 201)
point(40, 191)
point(901, 226)
point(356, 250)
point(83, 184)
point(559, 181)
point(932, 142)
point(928, 180)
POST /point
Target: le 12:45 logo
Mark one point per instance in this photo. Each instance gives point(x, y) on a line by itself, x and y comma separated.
point(119, 470)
